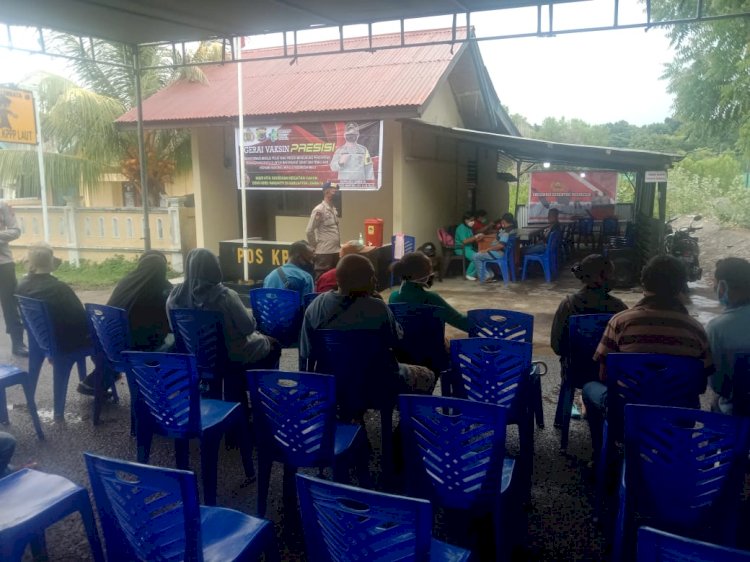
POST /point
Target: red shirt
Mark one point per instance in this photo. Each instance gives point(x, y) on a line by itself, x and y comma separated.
point(326, 282)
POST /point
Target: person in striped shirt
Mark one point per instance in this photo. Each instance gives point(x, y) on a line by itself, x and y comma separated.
point(658, 323)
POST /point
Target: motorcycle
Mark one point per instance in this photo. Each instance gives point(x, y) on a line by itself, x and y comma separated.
point(682, 245)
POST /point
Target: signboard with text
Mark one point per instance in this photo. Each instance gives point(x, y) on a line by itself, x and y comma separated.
point(17, 119)
point(304, 156)
point(574, 194)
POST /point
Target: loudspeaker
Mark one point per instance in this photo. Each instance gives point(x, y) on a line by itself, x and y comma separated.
point(627, 269)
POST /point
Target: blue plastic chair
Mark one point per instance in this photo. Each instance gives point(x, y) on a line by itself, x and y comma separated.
point(278, 313)
point(111, 329)
point(643, 378)
point(10, 375)
point(455, 456)
point(201, 334)
point(344, 523)
point(308, 298)
point(610, 227)
point(42, 344)
point(547, 259)
point(169, 404)
point(361, 363)
point(152, 513)
point(410, 245)
point(294, 415)
point(585, 332)
point(684, 473)
point(515, 326)
point(423, 341)
point(32, 501)
point(585, 231)
point(506, 263)
point(498, 371)
point(657, 546)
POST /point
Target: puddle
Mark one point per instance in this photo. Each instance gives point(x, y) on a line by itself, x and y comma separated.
point(47, 415)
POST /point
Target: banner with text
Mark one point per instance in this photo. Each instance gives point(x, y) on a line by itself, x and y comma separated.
point(304, 156)
point(574, 194)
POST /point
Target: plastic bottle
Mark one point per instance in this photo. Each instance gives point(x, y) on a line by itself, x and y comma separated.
point(360, 240)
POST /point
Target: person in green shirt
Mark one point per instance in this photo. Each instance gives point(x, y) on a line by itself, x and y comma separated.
point(415, 269)
point(464, 243)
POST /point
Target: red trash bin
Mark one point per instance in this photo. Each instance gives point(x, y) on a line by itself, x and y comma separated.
point(373, 232)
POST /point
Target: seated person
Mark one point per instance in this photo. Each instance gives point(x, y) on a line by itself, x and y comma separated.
point(482, 225)
point(66, 310)
point(415, 270)
point(495, 252)
point(595, 272)
point(352, 307)
point(327, 281)
point(727, 333)
point(142, 293)
point(464, 243)
point(247, 348)
point(553, 217)
point(295, 273)
point(658, 323)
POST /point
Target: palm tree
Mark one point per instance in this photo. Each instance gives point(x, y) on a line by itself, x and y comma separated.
point(81, 141)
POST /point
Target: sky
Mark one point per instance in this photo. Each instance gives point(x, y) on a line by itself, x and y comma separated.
point(599, 77)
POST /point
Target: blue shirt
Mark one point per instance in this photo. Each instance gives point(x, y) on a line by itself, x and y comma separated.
point(297, 280)
point(727, 335)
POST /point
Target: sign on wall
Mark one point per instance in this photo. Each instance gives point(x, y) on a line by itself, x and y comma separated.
point(574, 194)
point(304, 156)
point(17, 120)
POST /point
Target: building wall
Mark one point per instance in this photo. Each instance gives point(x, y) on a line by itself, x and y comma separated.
point(214, 185)
point(442, 109)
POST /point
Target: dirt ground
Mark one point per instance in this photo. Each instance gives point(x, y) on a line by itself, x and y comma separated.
point(559, 519)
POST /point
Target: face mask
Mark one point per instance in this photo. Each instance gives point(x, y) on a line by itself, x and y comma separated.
point(722, 293)
point(351, 138)
point(426, 281)
point(470, 223)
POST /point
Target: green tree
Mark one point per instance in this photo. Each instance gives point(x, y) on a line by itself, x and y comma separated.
point(78, 121)
point(710, 74)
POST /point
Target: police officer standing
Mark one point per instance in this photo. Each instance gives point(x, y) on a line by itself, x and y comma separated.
point(323, 231)
point(9, 231)
point(352, 160)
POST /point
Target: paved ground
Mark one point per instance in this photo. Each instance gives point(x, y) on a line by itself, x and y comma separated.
point(559, 519)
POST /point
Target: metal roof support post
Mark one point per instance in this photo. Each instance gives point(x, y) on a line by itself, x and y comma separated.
point(518, 185)
point(241, 162)
point(141, 147)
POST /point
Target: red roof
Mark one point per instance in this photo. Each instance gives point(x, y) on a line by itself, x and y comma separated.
point(397, 79)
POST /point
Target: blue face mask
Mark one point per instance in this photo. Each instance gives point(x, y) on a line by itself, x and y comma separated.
point(722, 293)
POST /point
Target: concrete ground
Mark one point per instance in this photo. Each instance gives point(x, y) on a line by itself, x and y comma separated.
point(560, 523)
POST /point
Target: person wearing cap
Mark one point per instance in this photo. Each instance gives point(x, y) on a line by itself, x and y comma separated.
point(323, 231)
point(65, 308)
point(294, 275)
point(9, 231)
point(352, 160)
point(595, 272)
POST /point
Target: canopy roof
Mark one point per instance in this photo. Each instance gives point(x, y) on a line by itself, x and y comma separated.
point(537, 151)
point(152, 21)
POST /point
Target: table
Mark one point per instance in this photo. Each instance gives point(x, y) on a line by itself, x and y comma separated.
point(530, 233)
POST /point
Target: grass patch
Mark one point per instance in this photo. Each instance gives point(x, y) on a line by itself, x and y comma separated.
point(91, 275)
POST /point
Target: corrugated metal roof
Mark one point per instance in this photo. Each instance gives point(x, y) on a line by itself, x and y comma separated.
point(401, 78)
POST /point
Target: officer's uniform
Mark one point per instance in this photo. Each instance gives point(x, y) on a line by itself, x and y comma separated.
point(9, 231)
point(357, 168)
point(323, 235)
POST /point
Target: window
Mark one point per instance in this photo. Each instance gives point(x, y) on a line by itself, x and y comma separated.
point(87, 226)
point(160, 229)
point(61, 226)
point(101, 227)
point(34, 226)
point(115, 228)
point(129, 228)
point(22, 225)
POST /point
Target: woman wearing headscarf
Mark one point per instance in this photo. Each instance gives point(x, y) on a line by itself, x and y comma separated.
point(203, 289)
point(142, 293)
